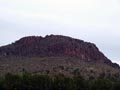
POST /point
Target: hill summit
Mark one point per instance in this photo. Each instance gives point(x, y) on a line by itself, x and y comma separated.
point(55, 45)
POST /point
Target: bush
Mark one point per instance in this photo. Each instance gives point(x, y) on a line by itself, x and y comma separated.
point(59, 82)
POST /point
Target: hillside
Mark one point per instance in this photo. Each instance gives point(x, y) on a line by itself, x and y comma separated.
point(55, 54)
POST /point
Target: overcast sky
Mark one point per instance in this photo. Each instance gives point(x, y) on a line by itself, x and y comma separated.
point(96, 21)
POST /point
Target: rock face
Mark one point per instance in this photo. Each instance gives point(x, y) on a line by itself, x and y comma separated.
point(55, 45)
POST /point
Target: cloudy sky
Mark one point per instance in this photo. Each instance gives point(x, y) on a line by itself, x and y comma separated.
point(96, 21)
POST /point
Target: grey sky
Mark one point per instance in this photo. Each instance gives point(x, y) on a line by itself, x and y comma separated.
point(96, 21)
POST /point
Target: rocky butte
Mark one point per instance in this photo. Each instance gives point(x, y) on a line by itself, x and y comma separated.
point(55, 45)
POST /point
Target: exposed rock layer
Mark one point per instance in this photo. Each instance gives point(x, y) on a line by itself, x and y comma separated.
point(55, 45)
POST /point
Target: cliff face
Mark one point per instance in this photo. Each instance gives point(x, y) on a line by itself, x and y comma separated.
point(55, 45)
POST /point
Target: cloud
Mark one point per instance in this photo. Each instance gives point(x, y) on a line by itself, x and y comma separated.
point(83, 13)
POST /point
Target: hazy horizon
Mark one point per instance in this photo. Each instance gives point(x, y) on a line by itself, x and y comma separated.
point(95, 21)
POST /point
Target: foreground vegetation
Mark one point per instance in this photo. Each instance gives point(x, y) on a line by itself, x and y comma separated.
point(59, 82)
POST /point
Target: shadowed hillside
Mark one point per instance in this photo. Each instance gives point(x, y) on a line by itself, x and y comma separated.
point(34, 54)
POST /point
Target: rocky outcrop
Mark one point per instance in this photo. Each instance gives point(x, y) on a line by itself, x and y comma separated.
point(55, 45)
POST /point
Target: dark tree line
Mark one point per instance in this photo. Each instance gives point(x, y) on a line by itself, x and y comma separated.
point(59, 82)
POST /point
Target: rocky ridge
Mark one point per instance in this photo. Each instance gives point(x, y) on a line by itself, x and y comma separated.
point(55, 45)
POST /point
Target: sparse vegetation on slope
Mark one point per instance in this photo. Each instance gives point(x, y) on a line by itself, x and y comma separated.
point(56, 65)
